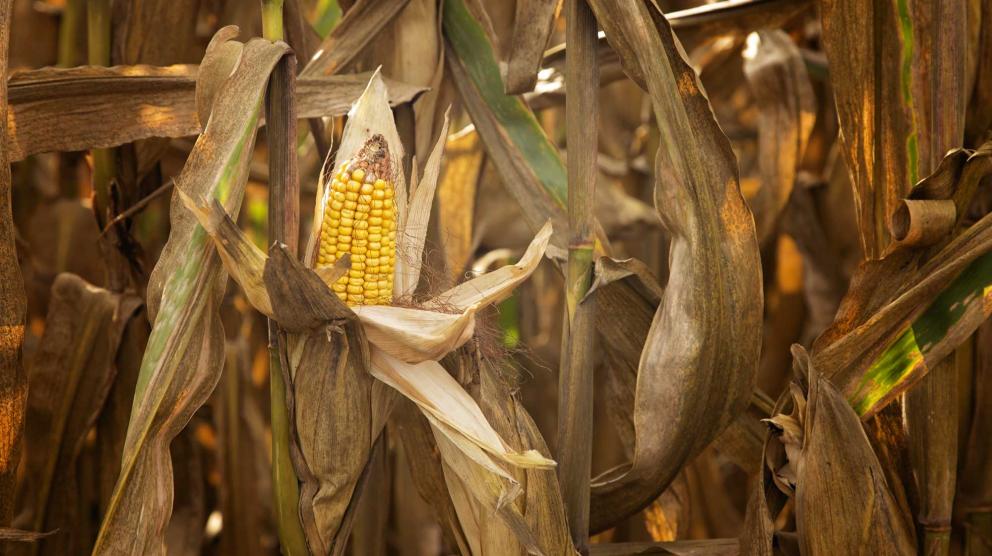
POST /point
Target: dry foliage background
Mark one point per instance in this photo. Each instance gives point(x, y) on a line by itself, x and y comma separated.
point(759, 325)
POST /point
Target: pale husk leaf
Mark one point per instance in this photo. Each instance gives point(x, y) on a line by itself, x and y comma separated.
point(441, 398)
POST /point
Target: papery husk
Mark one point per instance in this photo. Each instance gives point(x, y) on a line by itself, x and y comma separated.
point(539, 503)
point(70, 378)
point(426, 471)
point(697, 369)
point(185, 349)
point(335, 403)
point(843, 504)
point(451, 410)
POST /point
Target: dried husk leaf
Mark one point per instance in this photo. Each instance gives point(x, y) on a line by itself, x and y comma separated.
point(335, 403)
point(843, 504)
point(186, 346)
point(713, 298)
point(415, 335)
point(413, 225)
point(70, 378)
point(443, 400)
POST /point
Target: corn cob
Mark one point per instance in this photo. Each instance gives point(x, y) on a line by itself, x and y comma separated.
point(360, 219)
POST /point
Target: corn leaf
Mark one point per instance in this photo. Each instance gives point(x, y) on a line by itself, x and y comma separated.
point(714, 296)
point(106, 107)
point(71, 376)
point(185, 350)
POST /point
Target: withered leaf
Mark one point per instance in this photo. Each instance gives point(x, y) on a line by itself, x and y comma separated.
point(714, 296)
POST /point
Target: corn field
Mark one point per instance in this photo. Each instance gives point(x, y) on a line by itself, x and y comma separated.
point(495, 277)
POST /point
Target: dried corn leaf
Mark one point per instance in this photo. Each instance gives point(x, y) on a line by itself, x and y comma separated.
point(837, 474)
point(705, 337)
point(351, 36)
point(886, 335)
point(69, 380)
point(528, 162)
point(185, 349)
point(106, 107)
point(777, 76)
point(533, 24)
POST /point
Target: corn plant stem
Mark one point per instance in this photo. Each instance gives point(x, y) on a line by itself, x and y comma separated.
point(13, 308)
point(575, 383)
point(272, 28)
point(98, 54)
point(68, 29)
point(283, 227)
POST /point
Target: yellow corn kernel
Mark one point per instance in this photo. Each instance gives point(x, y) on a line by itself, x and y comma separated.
point(360, 219)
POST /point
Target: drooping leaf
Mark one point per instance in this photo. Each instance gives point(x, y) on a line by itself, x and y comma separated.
point(181, 364)
point(713, 298)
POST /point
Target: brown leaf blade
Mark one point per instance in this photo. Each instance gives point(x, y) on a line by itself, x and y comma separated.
point(185, 350)
point(714, 295)
point(70, 379)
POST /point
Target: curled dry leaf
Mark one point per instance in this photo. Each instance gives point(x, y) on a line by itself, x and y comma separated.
point(707, 328)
